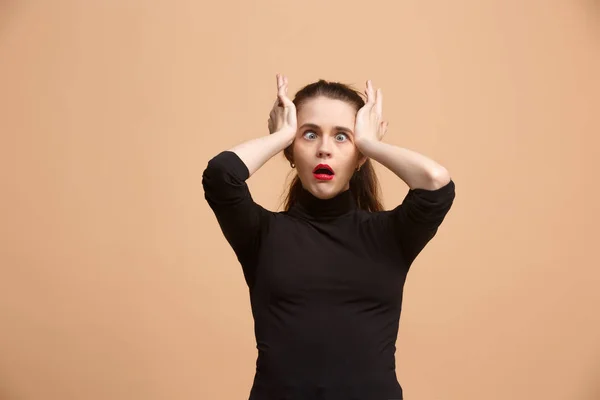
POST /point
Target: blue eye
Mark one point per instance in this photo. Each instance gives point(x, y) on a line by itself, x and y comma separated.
point(310, 135)
point(341, 137)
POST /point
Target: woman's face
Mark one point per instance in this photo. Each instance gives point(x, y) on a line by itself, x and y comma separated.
point(324, 151)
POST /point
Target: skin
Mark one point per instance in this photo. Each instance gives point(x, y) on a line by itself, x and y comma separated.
point(326, 136)
point(324, 145)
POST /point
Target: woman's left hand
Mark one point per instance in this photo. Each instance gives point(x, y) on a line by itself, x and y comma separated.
point(369, 125)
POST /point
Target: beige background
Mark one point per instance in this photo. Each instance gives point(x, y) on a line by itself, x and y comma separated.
point(115, 281)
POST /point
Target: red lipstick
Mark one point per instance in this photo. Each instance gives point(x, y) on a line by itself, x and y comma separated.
point(323, 172)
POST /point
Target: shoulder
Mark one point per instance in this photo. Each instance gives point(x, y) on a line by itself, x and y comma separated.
point(372, 220)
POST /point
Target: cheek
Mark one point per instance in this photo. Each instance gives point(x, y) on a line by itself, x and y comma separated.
point(349, 169)
point(350, 158)
point(300, 154)
point(301, 149)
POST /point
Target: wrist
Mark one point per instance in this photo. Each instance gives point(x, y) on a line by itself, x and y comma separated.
point(365, 145)
point(287, 134)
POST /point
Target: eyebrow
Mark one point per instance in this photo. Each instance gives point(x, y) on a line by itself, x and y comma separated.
point(337, 128)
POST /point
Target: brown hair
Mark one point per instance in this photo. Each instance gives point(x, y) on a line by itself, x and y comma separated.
point(364, 184)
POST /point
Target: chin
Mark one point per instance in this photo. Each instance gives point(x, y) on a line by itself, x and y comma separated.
point(324, 191)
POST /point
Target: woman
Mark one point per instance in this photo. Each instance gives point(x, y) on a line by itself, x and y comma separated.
point(326, 275)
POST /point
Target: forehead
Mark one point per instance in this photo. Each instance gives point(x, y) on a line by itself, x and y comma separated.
point(326, 112)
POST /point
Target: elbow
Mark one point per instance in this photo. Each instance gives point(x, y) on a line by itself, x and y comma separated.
point(439, 178)
point(213, 175)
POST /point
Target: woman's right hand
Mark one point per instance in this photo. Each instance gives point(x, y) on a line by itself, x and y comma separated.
point(283, 114)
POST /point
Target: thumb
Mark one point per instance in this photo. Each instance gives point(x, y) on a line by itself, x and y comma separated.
point(384, 128)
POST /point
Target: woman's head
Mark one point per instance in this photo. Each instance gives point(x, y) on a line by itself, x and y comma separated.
point(326, 113)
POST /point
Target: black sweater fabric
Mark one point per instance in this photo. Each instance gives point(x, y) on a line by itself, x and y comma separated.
point(325, 281)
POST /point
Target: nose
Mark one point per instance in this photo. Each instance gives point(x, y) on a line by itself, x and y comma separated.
point(324, 151)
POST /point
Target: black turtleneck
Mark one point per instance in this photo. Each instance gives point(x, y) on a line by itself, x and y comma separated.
point(310, 207)
point(325, 281)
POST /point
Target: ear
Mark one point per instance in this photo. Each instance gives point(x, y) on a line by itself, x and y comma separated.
point(288, 152)
point(361, 160)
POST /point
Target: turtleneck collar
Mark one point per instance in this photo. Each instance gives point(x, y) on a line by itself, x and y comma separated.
point(309, 206)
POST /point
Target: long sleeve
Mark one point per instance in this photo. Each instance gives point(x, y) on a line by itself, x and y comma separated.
point(240, 218)
point(416, 221)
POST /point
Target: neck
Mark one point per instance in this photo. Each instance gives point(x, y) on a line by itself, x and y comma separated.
point(310, 206)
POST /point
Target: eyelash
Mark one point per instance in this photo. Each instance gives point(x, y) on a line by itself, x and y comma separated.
point(343, 134)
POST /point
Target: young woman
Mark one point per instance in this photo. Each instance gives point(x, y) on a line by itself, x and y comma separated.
point(326, 275)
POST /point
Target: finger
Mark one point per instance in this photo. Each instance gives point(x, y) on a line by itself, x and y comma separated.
point(281, 86)
point(282, 94)
point(285, 101)
point(379, 102)
point(278, 101)
point(369, 93)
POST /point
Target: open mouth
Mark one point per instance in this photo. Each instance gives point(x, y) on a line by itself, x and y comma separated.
point(323, 172)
